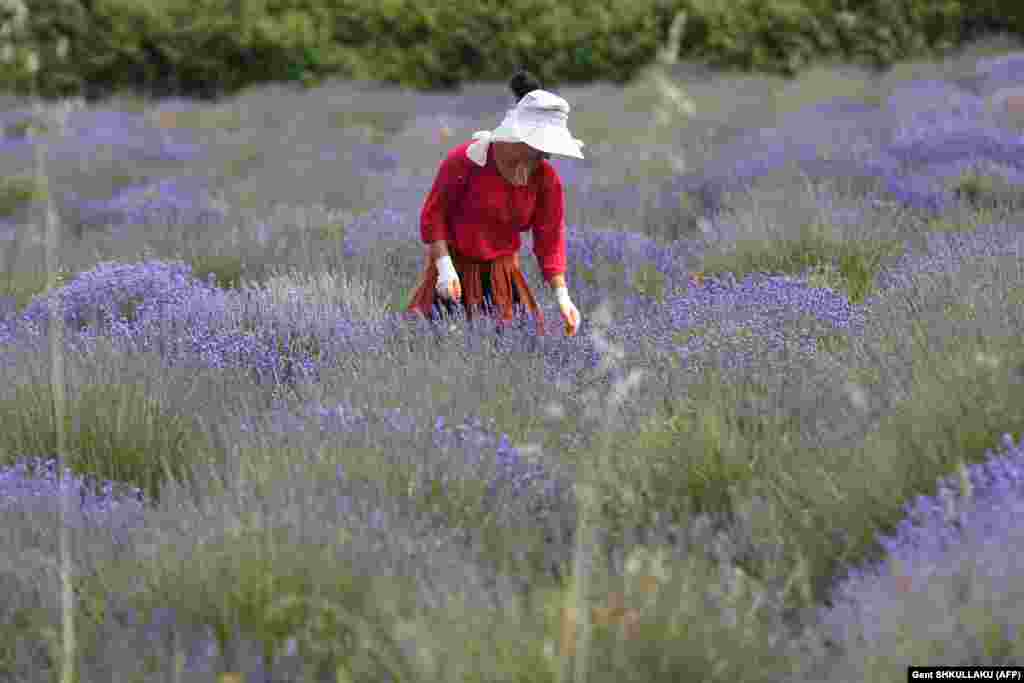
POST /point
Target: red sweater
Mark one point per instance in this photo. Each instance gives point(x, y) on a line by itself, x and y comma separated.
point(483, 227)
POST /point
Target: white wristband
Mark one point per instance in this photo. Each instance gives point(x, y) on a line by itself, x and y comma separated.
point(562, 295)
point(445, 269)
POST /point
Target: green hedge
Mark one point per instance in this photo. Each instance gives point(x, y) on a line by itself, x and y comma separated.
point(785, 36)
point(200, 47)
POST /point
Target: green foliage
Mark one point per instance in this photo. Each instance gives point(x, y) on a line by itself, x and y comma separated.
point(974, 219)
point(120, 180)
point(228, 269)
point(962, 405)
point(209, 119)
point(691, 458)
point(248, 200)
point(659, 622)
point(381, 125)
point(114, 432)
point(22, 285)
point(602, 273)
point(849, 266)
point(995, 12)
point(865, 375)
point(238, 167)
point(817, 84)
point(650, 282)
point(836, 342)
point(786, 36)
point(1016, 296)
point(21, 129)
point(723, 441)
point(861, 262)
point(941, 224)
point(43, 38)
point(612, 277)
point(683, 337)
point(215, 46)
point(985, 193)
point(34, 625)
point(273, 588)
point(972, 186)
point(956, 410)
point(16, 191)
point(432, 44)
point(332, 232)
point(960, 312)
point(458, 502)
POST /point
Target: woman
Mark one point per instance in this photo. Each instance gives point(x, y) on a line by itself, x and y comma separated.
point(486, 192)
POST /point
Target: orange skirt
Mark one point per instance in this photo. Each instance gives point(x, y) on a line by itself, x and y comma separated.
point(507, 288)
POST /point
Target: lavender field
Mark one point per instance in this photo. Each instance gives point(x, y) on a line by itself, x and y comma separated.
point(785, 445)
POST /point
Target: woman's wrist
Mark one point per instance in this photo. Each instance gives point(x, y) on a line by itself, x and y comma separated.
point(445, 268)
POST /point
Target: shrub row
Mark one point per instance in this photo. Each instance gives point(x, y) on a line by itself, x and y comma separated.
point(211, 47)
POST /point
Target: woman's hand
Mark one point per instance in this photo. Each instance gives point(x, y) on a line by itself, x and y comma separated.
point(570, 314)
point(448, 285)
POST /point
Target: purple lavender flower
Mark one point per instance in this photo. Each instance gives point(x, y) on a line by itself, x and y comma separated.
point(377, 225)
point(480, 453)
point(174, 200)
point(940, 534)
point(105, 290)
point(1000, 72)
point(32, 482)
point(944, 252)
point(127, 136)
point(372, 157)
point(921, 149)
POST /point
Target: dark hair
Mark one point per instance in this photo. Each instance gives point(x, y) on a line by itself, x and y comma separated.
point(523, 82)
point(520, 84)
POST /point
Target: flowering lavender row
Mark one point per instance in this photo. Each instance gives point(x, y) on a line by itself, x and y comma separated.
point(128, 139)
point(128, 135)
point(920, 99)
point(182, 200)
point(944, 251)
point(996, 481)
point(940, 123)
point(997, 73)
point(481, 453)
point(508, 469)
point(954, 145)
point(941, 127)
point(370, 157)
point(376, 226)
point(971, 165)
point(975, 511)
point(628, 250)
point(186, 320)
point(110, 504)
point(763, 306)
point(106, 288)
point(121, 512)
point(801, 138)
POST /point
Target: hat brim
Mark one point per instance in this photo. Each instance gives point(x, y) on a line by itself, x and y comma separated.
point(548, 139)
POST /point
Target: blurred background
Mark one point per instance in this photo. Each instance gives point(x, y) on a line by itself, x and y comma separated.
point(210, 48)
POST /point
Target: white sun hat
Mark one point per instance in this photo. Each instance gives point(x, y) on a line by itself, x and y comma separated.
point(540, 119)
